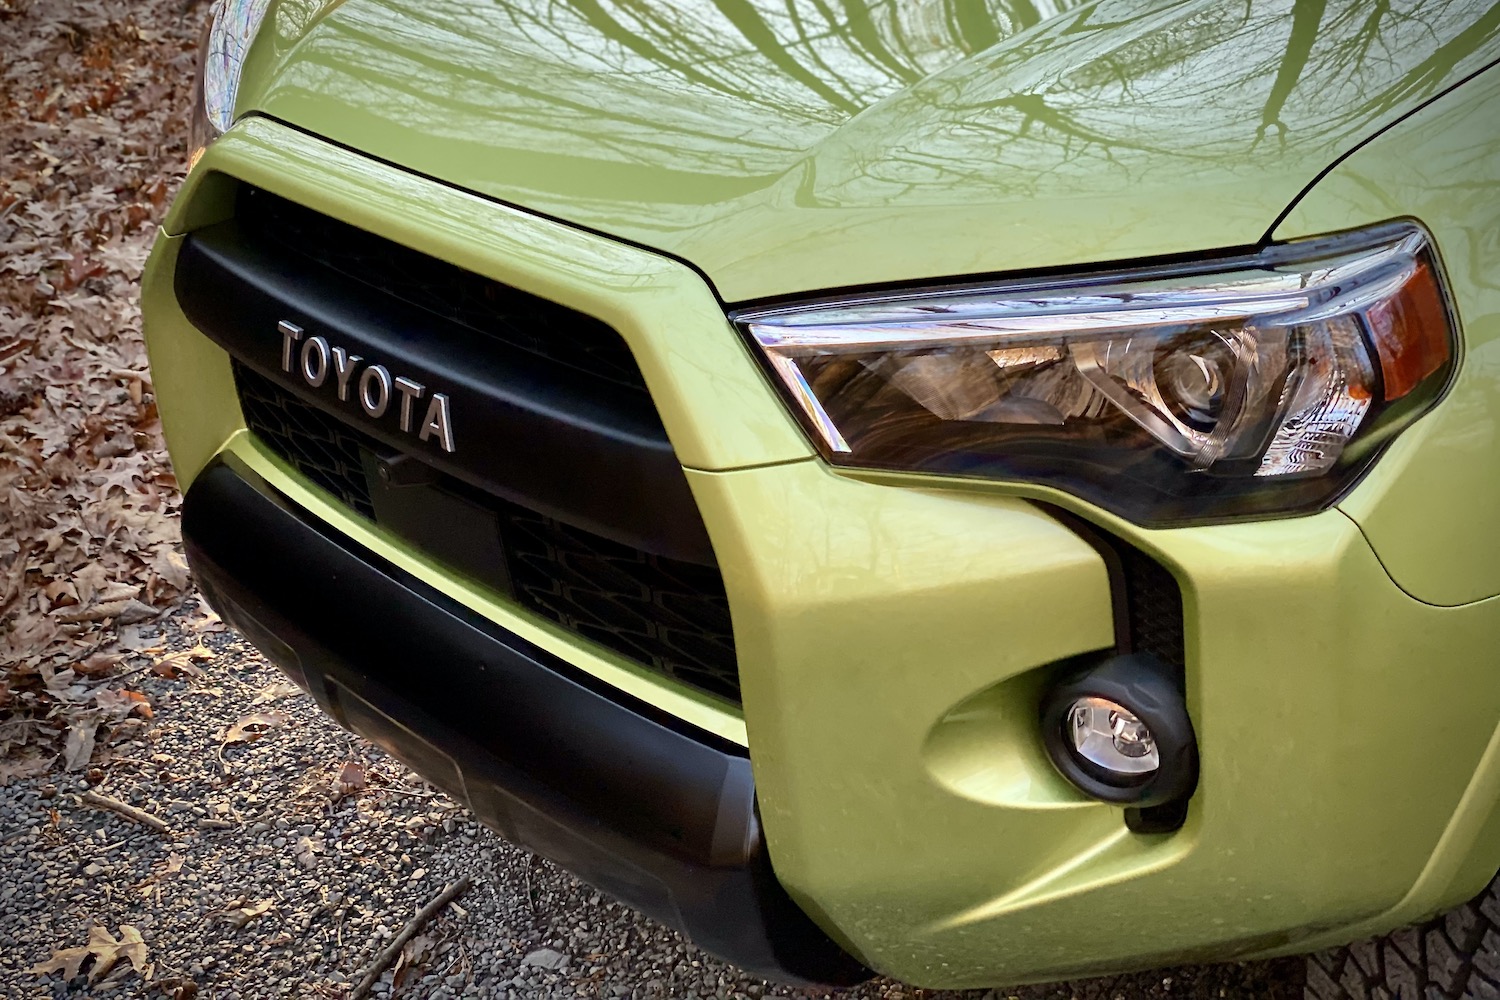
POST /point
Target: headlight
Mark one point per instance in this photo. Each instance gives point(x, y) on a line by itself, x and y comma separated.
point(1250, 386)
point(226, 38)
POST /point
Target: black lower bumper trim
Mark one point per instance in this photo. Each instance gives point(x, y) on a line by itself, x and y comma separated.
point(657, 813)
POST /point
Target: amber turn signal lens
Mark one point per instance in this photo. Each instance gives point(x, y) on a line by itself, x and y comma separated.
point(1410, 332)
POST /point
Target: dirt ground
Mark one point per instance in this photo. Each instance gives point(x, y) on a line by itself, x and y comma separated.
point(279, 854)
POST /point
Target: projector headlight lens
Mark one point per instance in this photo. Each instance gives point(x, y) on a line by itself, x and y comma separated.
point(1250, 386)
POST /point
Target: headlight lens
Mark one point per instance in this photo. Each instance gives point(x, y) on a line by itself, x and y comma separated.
point(231, 27)
point(1253, 386)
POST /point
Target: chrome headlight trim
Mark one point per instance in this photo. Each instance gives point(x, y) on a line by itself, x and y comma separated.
point(1251, 385)
point(228, 33)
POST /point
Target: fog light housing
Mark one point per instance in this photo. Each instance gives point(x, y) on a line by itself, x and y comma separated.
point(1119, 730)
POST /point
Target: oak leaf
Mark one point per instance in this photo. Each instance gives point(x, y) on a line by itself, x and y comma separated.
point(104, 948)
point(275, 691)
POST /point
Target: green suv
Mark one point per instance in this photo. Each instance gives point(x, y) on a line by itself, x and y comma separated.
point(976, 490)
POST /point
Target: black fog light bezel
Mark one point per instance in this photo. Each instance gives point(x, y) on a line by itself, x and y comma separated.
point(1147, 687)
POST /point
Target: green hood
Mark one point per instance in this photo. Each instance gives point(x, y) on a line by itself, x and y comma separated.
point(787, 146)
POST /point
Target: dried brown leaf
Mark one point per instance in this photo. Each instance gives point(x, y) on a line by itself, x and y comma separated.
point(117, 590)
point(89, 581)
point(108, 950)
point(98, 664)
point(102, 611)
point(307, 851)
point(254, 726)
point(118, 704)
point(183, 663)
point(350, 780)
point(206, 620)
point(68, 961)
point(63, 686)
point(80, 744)
point(60, 592)
point(414, 954)
point(275, 692)
point(239, 916)
point(104, 948)
point(135, 611)
point(25, 767)
point(171, 566)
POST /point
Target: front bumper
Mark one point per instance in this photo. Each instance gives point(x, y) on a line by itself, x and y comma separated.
point(658, 814)
point(892, 635)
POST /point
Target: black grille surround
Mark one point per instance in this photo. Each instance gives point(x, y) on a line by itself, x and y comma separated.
point(634, 801)
point(556, 486)
point(667, 614)
point(1148, 618)
point(516, 319)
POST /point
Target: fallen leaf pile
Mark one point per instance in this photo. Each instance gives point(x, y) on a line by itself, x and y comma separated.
point(92, 122)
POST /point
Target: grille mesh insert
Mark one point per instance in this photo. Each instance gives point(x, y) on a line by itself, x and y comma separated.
point(669, 614)
point(672, 616)
point(321, 448)
point(1155, 606)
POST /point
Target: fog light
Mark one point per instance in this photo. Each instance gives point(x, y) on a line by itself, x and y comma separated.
point(1118, 729)
point(1110, 735)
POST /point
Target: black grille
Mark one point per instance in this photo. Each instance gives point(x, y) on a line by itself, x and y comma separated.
point(515, 318)
point(670, 615)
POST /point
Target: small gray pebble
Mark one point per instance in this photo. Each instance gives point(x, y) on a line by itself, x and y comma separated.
point(546, 958)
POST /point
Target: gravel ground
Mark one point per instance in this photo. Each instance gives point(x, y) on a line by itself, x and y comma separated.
point(278, 881)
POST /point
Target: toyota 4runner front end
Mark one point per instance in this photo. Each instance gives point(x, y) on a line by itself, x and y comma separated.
point(922, 491)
